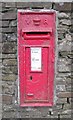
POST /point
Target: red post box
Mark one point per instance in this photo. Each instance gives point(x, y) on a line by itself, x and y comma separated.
point(36, 57)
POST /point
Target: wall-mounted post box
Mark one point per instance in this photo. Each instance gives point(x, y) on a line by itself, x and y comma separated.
point(36, 56)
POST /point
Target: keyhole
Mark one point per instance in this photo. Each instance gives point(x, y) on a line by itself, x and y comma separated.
point(30, 77)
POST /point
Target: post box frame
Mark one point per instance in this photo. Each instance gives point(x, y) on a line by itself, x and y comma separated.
point(55, 65)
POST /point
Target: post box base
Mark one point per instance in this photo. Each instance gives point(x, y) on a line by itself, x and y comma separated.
point(36, 104)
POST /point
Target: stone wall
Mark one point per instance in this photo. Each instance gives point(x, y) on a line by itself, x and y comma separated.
point(10, 106)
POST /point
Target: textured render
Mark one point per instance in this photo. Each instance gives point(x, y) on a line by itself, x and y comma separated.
point(62, 108)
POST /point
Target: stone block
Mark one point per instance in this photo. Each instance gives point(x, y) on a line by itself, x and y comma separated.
point(63, 54)
point(61, 100)
point(65, 22)
point(8, 56)
point(62, 29)
point(7, 9)
point(9, 47)
point(64, 65)
point(5, 23)
point(9, 115)
point(72, 21)
point(65, 45)
point(0, 37)
point(60, 36)
point(0, 4)
point(57, 107)
point(10, 4)
point(34, 4)
point(8, 88)
point(71, 29)
point(9, 69)
point(64, 68)
point(69, 88)
point(64, 61)
point(72, 6)
point(9, 77)
point(0, 56)
point(7, 99)
point(65, 94)
point(60, 88)
point(68, 37)
point(68, 81)
point(63, 7)
point(0, 48)
point(9, 62)
point(0, 30)
point(9, 30)
point(4, 37)
point(67, 110)
point(72, 15)
point(9, 15)
point(3, 4)
point(0, 61)
point(1, 16)
point(67, 117)
point(12, 37)
point(63, 15)
point(0, 24)
point(13, 23)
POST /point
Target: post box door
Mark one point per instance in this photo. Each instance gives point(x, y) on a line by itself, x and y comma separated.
point(36, 64)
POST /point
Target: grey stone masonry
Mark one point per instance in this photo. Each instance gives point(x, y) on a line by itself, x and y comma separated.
point(64, 91)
